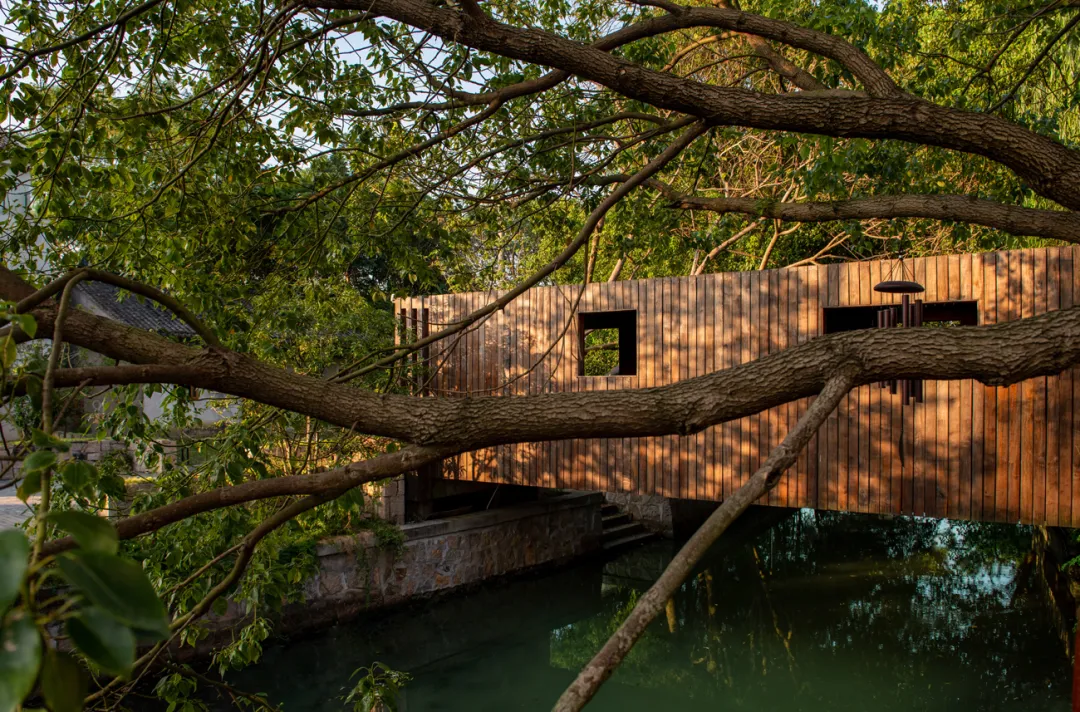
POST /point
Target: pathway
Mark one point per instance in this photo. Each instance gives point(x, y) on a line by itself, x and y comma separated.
point(13, 512)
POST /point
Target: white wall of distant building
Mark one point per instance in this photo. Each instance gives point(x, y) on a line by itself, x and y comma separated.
point(211, 407)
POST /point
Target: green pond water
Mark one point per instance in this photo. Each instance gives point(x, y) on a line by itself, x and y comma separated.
point(818, 611)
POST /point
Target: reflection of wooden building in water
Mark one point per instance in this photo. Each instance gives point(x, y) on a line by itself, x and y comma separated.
point(968, 451)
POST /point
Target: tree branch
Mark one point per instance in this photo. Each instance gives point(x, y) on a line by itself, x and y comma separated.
point(47, 391)
point(1013, 219)
point(120, 19)
point(1035, 63)
point(1052, 169)
point(393, 159)
point(725, 244)
point(145, 290)
point(329, 484)
point(650, 169)
point(679, 17)
point(996, 355)
point(648, 606)
point(779, 63)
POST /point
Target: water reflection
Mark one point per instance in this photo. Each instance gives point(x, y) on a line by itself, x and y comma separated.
point(821, 611)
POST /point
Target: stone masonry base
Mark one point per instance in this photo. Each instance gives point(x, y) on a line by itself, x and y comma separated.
point(356, 573)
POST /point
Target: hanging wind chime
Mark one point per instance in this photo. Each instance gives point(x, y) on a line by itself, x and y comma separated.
point(907, 313)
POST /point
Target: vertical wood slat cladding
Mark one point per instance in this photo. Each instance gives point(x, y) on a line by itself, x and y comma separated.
point(968, 451)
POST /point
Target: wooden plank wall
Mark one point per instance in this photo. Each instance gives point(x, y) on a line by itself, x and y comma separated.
point(968, 452)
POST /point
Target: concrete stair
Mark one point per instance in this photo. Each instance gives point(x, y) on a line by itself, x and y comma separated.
point(620, 530)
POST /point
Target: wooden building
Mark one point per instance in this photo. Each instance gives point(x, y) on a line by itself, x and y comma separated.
point(967, 451)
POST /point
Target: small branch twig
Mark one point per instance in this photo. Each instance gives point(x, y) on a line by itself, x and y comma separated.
point(47, 415)
point(654, 166)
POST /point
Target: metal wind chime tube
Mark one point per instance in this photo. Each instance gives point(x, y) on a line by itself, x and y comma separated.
point(917, 320)
point(890, 321)
point(908, 314)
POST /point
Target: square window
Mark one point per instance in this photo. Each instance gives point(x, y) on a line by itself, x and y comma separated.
point(607, 343)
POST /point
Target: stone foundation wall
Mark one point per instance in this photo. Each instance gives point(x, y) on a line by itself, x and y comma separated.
point(90, 450)
point(653, 511)
point(386, 500)
point(642, 569)
point(356, 573)
point(94, 450)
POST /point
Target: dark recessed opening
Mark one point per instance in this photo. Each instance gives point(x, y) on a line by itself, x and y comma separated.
point(837, 319)
point(607, 343)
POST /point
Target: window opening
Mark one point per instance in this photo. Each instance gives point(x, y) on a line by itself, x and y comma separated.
point(960, 313)
point(917, 314)
point(607, 343)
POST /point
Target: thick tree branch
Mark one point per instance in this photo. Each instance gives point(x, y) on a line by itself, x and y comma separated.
point(130, 285)
point(785, 67)
point(997, 355)
point(1013, 219)
point(123, 375)
point(779, 63)
point(876, 80)
point(648, 606)
point(505, 94)
point(1052, 169)
point(329, 484)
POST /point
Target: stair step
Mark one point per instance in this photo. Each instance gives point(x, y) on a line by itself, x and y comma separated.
point(613, 519)
point(621, 530)
point(639, 538)
point(608, 509)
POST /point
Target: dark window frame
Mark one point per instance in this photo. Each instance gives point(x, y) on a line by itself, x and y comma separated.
point(622, 320)
point(835, 320)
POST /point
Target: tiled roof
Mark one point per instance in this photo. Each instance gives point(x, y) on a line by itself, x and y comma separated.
point(132, 310)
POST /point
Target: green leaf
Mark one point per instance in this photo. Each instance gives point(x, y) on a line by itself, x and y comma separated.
point(27, 323)
point(90, 532)
point(31, 485)
point(235, 471)
point(14, 558)
point(113, 486)
point(103, 640)
point(79, 477)
point(120, 587)
point(20, 658)
point(63, 682)
point(44, 441)
point(39, 460)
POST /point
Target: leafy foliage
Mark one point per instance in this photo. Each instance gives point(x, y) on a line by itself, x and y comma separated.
point(377, 689)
